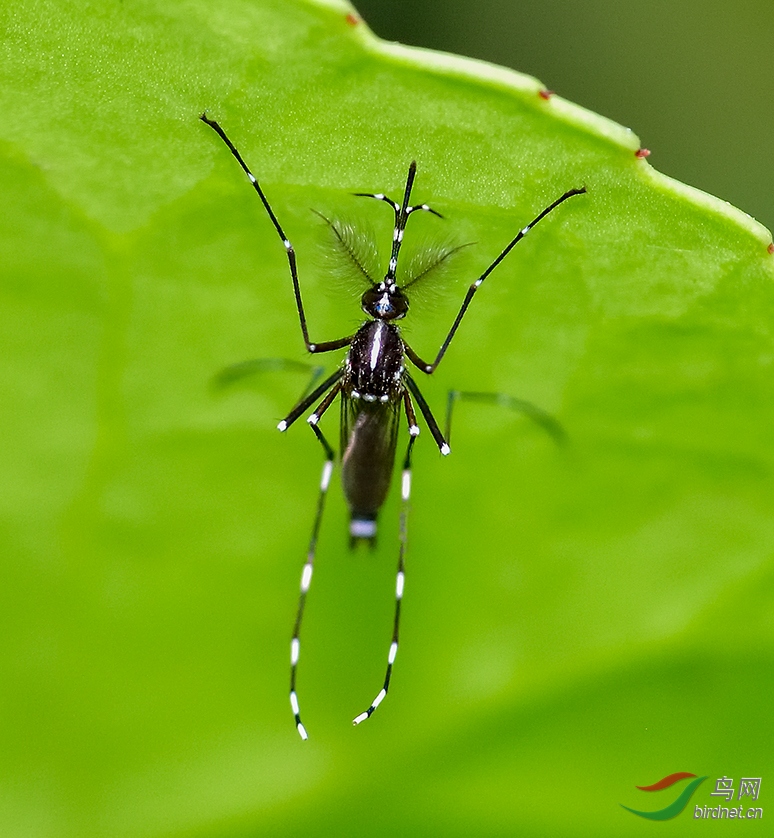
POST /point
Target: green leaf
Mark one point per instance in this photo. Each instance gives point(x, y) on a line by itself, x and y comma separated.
point(578, 620)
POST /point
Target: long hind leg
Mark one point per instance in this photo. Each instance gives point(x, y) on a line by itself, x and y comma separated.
point(400, 577)
point(306, 573)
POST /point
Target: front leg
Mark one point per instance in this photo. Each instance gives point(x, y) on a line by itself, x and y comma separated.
point(430, 368)
point(326, 346)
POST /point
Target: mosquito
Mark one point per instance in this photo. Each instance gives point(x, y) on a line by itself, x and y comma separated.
point(374, 387)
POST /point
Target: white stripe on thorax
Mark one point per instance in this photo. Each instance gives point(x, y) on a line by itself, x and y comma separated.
point(376, 346)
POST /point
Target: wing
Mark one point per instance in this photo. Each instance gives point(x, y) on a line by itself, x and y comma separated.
point(369, 435)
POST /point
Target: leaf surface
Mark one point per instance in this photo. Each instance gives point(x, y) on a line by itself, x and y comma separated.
point(578, 620)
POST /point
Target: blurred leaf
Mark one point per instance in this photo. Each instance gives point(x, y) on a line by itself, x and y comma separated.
point(578, 621)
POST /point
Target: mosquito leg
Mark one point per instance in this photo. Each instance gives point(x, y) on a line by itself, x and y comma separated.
point(430, 368)
point(443, 445)
point(539, 416)
point(307, 401)
point(400, 577)
point(306, 573)
point(326, 346)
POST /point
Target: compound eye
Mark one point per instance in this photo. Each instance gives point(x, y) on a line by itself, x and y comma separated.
point(383, 305)
point(399, 305)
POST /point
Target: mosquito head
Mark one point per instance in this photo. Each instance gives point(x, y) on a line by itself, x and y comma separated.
point(385, 301)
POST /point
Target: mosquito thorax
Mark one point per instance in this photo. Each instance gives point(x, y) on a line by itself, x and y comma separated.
point(385, 301)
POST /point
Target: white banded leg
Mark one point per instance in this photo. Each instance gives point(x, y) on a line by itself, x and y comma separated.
point(443, 445)
point(429, 368)
point(401, 575)
point(325, 346)
point(306, 572)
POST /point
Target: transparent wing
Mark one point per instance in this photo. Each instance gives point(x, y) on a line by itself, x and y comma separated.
point(369, 435)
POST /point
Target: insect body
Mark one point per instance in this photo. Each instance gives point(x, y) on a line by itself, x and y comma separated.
point(375, 388)
point(373, 391)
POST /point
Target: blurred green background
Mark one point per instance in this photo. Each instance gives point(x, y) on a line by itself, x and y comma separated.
point(577, 621)
point(693, 78)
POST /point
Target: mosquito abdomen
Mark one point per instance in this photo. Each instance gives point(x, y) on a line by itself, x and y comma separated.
point(367, 463)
